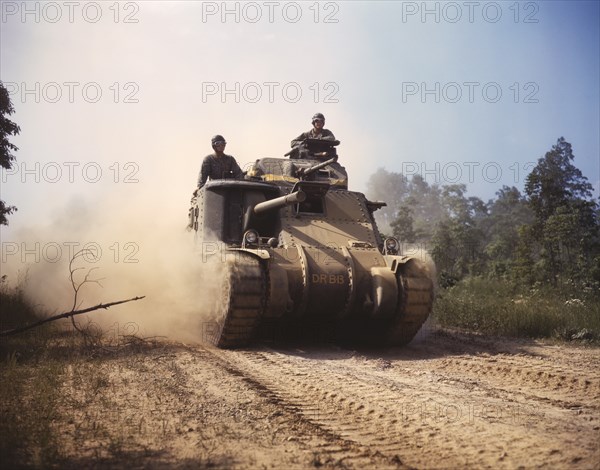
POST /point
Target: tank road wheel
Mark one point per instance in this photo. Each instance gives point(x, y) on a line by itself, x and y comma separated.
point(241, 303)
point(415, 302)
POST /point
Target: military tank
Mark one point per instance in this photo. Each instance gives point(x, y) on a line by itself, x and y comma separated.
point(301, 249)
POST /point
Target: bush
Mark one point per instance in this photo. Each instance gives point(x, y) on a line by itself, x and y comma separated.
point(501, 308)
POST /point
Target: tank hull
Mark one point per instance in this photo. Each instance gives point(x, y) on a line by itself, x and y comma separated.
point(308, 252)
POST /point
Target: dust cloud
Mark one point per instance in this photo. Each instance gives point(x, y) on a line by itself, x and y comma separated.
point(131, 247)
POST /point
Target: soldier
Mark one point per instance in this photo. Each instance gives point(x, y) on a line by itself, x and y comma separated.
point(317, 132)
point(218, 165)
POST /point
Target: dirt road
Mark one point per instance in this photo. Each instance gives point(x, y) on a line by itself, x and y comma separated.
point(446, 402)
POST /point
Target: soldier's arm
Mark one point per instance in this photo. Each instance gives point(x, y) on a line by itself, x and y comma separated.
point(204, 173)
point(328, 135)
point(236, 170)
point(298, 140)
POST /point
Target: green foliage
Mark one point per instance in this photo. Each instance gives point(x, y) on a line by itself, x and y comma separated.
point(507, 215)
point(503, 308)
point(555, 182)
point(566, 225)
point(402, 227)
point(457, 243)
point(7, 128)
point(15, 309)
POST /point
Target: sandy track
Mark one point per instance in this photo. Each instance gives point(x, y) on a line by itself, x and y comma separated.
point(450, 401)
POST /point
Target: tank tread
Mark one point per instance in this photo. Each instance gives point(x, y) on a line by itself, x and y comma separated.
point(242, 302)
point(415, 303)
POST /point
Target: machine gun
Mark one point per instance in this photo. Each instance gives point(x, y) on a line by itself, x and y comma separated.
point(314, 149)
point(304, 173)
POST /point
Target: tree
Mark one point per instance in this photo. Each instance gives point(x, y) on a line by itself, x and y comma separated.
point(7, 128)
point(556, 182)
point(507, 214)
point(523, 266)
point(457, 242)
point(425, 203)
point(402, 227)
point(566, 218)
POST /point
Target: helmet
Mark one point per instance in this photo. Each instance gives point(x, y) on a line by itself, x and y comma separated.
point(217, 138)
point(317, 116)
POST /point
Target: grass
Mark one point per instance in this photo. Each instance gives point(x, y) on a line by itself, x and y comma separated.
point(501, 308)
point(29, 397)
point(36, 366)
point(29, 384)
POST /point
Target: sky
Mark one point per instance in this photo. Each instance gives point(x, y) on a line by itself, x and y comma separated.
point(117, 101)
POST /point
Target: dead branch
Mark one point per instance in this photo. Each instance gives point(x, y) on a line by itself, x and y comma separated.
point(67, 315)
point(77, 286)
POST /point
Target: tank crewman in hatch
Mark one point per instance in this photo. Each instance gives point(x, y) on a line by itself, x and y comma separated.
point(317, 132)
point(218, 165)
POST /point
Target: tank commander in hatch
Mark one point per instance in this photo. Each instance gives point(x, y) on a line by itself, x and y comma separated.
point(218, 165)
point(317, 132)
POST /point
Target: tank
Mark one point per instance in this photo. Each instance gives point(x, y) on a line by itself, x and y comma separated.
point(303, 253)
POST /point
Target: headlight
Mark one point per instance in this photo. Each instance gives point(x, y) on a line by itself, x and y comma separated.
point(251, 237)
point(391, 246)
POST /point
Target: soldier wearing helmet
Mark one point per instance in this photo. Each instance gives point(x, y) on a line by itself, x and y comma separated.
point(317, 132)
point(218, 165)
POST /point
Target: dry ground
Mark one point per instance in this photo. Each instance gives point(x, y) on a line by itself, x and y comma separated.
point(448, 401)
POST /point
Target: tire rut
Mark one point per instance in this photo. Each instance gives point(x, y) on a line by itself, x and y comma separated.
point(354, 453)
point(424, 416)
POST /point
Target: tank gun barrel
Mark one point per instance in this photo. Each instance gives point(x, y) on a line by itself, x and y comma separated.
point(279, 202)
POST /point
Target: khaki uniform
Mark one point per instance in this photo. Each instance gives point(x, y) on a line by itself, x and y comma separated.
point(216, 168)
point(325, 134)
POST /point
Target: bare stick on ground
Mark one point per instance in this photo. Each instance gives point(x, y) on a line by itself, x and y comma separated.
point(76, 287)
point(67, 315)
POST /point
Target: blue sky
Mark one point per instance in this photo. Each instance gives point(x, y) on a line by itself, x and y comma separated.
point(409, 92)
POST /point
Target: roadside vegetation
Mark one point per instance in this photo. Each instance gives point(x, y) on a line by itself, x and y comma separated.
point(501, 308)
point(29, 381)
point(36, 364)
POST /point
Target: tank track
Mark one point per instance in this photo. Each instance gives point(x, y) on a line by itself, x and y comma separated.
point(415, 302)
point(242, 302)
